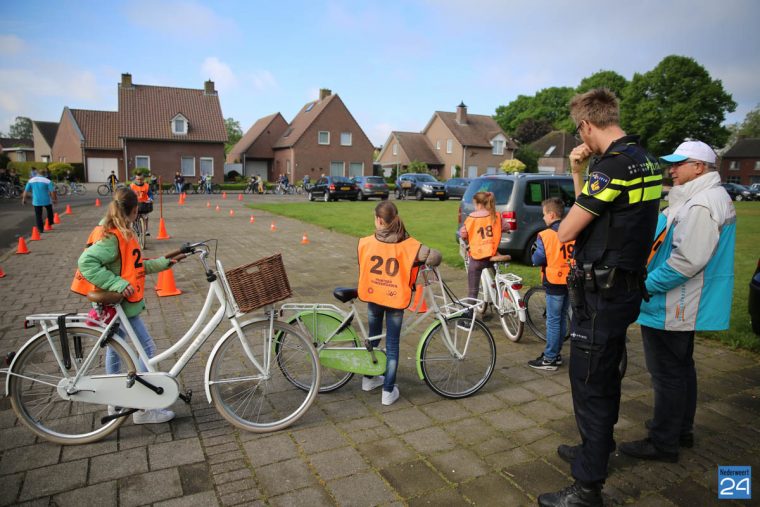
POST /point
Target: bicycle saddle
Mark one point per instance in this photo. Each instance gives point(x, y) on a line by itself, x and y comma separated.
point(103, 297)
point(501, 258)
point(344, 294)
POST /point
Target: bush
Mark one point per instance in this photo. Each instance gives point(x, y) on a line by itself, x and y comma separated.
point(512, 166)
point(232, 176)
point(23, 169)
point(141, 170)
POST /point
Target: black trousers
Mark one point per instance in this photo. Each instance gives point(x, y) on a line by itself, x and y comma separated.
point(670, 361)
point(597, 344)
point(38, 216)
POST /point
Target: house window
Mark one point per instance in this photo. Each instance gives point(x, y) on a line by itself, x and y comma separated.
point(21, 156)
point(472, 171)
point(345, 138)
point(142, 161)
point(207, 166)
point(498, 147)
point(395, 148)
point(438, 145)
point(355, 169)
point(187, 166)
point(449, 145)
point(336, 168)
point(734, 165)
point(757, 165)
point(490, 170)
point(323, 137)
point(46, 158)
point(735, 179)
point(179, 125)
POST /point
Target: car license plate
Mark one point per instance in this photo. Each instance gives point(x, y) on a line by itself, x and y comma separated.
point(439, 193)
point(345, 188)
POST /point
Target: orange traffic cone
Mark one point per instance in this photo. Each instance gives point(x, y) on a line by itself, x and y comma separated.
point(166, 285)
point(47, 227)
point(68, 210)
point(2, 273)
point(181, 200)
point(232, 212)
point(252, 220)
point(97, 202)
point(208, 204)
point(240, 197)
point(56, 218)
point(304, 240)
point(272, 227)
point(224, 195)
point(162, 230)
point(35, 234)
point(217, 207)
point(22, 249)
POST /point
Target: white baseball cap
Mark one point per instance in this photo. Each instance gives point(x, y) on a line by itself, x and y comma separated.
point(694, 150)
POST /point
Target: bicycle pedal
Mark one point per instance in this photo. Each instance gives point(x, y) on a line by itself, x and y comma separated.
point(124, 413)
point(187, 396)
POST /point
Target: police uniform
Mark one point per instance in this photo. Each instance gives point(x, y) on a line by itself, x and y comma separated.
point(623, 193)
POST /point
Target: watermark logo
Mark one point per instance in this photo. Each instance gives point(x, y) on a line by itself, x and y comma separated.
point(734, 482)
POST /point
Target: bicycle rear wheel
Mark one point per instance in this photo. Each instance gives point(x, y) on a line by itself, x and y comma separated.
point(262, 401)
point(452, 376)
point(535, 305)
point(32, 385)
point(509, 316)
point(104, 190)
point(320, 325)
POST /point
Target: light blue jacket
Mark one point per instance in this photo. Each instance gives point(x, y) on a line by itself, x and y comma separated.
point(691, 276)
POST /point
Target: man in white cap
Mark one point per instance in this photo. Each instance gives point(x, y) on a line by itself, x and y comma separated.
point(690, 280)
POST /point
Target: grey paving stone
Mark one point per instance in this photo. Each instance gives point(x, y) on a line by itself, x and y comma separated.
point(178, 452)
point(150, 487)
point(29, 457)
point(538, 477)
point(460, 465)
point(205, 499)
point(18, 436)
point(412, 479)
point(319, 438)
point(285, 476)
point(264, 451)
point(337, 463)
point(442, 497)
point(508, 420)
point(118, 464)
point(9, 488)
point(54, 479)
point(364, 488)
point(446, 410)
point(195, 478)
point(306, 497)
point(486, 489)
point(470, 431)
point(74, 452)
point(99, 495)
point(385, 452)
point(408, 419)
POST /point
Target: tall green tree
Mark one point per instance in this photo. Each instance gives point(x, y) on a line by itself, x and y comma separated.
point(529, 157)
point(750, 127)
point(604, 79)
point(21, 128)
point(676, 100)
point(549, 104)
point(531, 129)
point(234, 133)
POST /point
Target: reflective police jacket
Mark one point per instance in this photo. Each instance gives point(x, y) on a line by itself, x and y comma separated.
point(386, 271)
point(691, 275)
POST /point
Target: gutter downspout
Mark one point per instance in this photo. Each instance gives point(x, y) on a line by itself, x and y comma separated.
point(84, 161)
point(124, 144)
point(464, 160)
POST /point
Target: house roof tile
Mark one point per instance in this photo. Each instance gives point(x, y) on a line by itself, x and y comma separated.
point(563, 143)
point(146, 113)
point(478, 131)
point(417, 147)
point(305, 117)
point(100, 129)
point(251, 135)
point(744, 148)
point(48, 129)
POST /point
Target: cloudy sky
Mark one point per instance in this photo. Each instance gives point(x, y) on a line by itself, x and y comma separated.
point(392, 62)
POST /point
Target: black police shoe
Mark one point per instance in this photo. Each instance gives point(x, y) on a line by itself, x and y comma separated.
point(645, 449)
point(573, 496)
point(684, 439)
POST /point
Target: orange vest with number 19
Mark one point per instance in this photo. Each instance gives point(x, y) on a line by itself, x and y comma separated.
point(558, 257)
point(132, 267)
point(385, 271)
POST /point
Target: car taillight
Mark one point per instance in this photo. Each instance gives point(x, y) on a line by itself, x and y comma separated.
point(367, 185)
point(511, 218)
point(332, 187)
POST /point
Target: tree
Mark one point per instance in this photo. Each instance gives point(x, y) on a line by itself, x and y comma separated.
point(549, 104)
point(21, 128)
point(676, 100)
point(531, 129)
point(750, 127)
point(234, 133)
point(604, 79)
point(512, 165)
point(416, 166)
point(529, 157)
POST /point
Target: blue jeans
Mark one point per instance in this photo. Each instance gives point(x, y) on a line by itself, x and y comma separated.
point(556, 324)
point(113, 362)
point(393, 320)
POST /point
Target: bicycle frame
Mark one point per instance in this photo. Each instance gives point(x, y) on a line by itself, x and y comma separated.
point(496, 284)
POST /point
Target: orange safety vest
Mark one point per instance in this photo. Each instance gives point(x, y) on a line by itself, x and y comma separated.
point(558, 257)
point(132, 267)
point(141, 191)
point(386, 271)
point(483, 235)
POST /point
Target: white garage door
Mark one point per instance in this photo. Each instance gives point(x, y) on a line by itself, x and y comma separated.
point(257, 167)
point(98, 169)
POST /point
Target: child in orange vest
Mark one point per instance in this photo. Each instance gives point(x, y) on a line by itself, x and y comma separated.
point(386, 264)
point(482, 231)
point(554, 258)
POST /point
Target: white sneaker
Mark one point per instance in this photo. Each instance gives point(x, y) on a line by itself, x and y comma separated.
point(370, 383)
point(112, 410)
point(152, 416)
point(389, 398)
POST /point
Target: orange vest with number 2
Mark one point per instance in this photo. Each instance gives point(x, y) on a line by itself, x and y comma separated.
point(385, 271)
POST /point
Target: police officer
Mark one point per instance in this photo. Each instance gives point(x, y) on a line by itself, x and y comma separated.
point(613, 222)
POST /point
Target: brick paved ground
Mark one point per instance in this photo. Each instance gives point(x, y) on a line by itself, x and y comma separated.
point(497, 447)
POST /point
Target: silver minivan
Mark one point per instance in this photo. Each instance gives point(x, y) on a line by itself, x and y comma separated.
point(518, 199)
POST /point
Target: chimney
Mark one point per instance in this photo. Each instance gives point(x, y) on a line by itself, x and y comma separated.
point(208, 88)
point(462, 113)
point(126, 81)
point(324, 93)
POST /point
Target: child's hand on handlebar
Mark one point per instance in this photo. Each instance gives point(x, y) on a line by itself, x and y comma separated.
point(128, 291)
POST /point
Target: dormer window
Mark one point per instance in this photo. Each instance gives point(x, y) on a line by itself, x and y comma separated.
point(179, 125)
point(497, 145)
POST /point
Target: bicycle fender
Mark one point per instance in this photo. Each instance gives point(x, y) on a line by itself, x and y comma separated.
point(215, 350)
point(418, 355)
point(115, 337)
point(347, 334)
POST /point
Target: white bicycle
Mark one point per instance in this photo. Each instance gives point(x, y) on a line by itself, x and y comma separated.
point(500, 291)
point(59, 388)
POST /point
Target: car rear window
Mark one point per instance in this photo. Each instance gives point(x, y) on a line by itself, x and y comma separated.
point(500, 188)
point(341, 179)
point(375, 179)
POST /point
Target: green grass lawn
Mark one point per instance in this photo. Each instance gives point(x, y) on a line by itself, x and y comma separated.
point(434, 224)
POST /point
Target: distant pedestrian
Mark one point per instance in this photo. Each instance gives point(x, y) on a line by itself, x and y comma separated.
point(179, 182)
point(43, 192)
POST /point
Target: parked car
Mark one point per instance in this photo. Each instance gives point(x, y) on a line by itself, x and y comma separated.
point(420, 185)
point(456, 187)
point(332, 188)
point(754, 300)
point(518, 198)
point(371, 186)
point(738, 192)
point(754, 190)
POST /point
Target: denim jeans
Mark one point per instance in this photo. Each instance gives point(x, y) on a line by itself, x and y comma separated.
point(393, 320)
point(474, 271)
point(113, 363)
point(556, 324)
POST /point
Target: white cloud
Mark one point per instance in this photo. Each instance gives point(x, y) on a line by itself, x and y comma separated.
point(180, 19)
point(219, 72)
point(263, 80)
point(21, 87)
point(11, 45)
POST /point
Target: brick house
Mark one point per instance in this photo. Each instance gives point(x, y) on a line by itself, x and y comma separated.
point(554, 150)
point(407, 147)
point(17, 150)
point(43, 135)
point(254, 150)
point(162, 128)
point(741, 163)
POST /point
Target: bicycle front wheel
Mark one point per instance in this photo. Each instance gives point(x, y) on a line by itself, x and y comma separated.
point(461, 365)
point(262, 401)
point(33, 383)
point(104, 190)
point(535, 305)
point(509, 315)
point(139, 227)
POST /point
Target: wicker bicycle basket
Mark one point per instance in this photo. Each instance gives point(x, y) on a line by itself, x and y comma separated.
point(259, 283)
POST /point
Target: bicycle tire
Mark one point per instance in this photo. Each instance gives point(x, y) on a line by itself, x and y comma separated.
point(509, 316)
point(104, 190)
point(80, 189)
point(450, 376)
point(268, 401)
point(216, 188)
point(535, 310)
point(61, 189)
point(139, 227)
point(34, 395)
point(320, 325)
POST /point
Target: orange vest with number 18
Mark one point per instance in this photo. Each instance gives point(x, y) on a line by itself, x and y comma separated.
point(385, 271)
point(483, 236)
